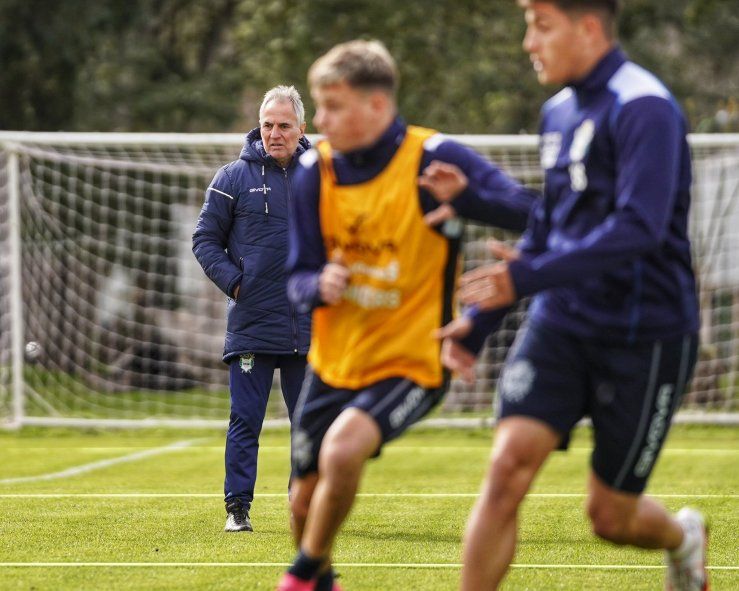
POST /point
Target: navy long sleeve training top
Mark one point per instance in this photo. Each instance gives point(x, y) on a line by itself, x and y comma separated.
point(607, 250)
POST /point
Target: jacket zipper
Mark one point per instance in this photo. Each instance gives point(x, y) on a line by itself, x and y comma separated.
point(241, 266)
point(293, 314)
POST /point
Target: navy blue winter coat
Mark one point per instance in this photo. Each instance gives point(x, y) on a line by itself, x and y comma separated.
point(241, 239)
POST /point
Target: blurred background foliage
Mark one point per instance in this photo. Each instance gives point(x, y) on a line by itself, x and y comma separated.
point(196, 66)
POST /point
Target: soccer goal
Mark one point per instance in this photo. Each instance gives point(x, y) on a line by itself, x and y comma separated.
point(107, 319)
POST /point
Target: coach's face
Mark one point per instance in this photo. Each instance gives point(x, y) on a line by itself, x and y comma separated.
point(280, 131)
point(557, 43)
point(348, 117)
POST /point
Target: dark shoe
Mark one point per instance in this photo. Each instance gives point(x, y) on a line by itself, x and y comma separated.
point(238, 517)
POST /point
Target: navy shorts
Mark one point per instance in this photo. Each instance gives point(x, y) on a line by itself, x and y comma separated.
point(395, 404)
point(629, 391)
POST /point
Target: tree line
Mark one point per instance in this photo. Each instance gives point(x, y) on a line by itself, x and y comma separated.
point(193, 66)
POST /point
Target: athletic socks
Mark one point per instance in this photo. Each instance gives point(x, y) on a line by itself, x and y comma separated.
point(304, 567)
point(691, 539)
point(325, 581)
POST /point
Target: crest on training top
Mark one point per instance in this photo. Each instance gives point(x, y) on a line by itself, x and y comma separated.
point(581, 140)
point(549, 146)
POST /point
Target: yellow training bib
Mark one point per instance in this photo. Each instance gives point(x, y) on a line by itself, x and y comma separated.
point(397, 292)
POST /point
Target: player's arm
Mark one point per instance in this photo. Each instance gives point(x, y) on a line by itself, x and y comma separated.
point(210, 238)
point(464, 337)
point(312, 280)
point(481, 191)
point(647, 140)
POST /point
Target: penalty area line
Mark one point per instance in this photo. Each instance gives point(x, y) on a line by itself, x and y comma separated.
point(391, 565)
point(98, 465)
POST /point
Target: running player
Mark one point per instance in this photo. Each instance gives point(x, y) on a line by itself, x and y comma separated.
point(380, 280)
point(612, 329)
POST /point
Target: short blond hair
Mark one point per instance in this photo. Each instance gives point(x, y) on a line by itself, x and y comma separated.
point(364, 65)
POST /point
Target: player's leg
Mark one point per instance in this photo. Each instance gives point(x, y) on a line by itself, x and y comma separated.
point(637, 390)
point(352, 439)
point(639, 520)
point(376, 415)
point(250, 380)
point(301, 495)
point(628, 518)
point(521, 446)
point(317, 407)
point(541, 396)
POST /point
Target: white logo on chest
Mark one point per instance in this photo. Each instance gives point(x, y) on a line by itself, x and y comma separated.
point(551, 142)
point(578, 149)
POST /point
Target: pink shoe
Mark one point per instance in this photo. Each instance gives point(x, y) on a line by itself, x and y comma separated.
point(290, 582)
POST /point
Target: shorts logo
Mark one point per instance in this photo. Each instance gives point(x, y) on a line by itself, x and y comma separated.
point(301, 448)
point(246, 362)
point(411, 402)
point(657, 429)
point(517, 379)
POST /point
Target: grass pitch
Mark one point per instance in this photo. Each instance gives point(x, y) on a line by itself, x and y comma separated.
point(130, 510)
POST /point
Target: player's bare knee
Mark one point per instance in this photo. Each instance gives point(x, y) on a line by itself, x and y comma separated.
point(337, 460)
point(509, 480)
point(299, 508)
point(608, 524)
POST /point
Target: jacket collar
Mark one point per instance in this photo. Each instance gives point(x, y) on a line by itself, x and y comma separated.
point(387, 144)
point(254, 149)
point(597, 79)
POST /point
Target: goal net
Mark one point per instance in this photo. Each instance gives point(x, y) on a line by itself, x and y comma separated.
point(106, 318)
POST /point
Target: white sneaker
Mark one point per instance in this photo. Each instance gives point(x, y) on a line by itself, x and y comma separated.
point(686, 566)
point(238, 517)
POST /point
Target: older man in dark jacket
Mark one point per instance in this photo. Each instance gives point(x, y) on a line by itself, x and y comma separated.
point(241, 242)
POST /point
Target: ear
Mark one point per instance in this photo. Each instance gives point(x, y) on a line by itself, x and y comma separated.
point(302, 129)
point(379, 101)
point(592, 27)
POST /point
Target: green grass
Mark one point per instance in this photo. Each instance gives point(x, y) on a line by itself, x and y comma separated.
point(397, 530)
point(59, 394)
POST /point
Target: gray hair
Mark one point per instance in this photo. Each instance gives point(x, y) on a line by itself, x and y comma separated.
point(284, 94)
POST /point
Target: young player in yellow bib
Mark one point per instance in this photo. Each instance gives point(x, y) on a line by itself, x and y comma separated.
point(379, 279)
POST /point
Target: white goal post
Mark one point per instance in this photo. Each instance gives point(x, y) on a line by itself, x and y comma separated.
point(107, 319)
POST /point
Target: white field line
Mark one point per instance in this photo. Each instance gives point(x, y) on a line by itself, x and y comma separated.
point(75, 470)
point(141, 495)
point(429, 565)
point(486, 449)
point(435, 449)
point(401, 448)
